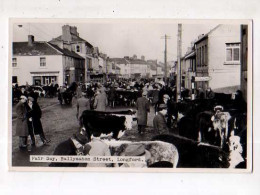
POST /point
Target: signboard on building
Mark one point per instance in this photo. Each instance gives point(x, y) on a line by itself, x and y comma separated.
point(202, 78)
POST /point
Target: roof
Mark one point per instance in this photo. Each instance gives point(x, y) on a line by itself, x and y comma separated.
point(40, 49)
point(206, 35)
point(67, 52)
point(37, 49)
point(137, 61)
point(119, 60)
point(75, 38)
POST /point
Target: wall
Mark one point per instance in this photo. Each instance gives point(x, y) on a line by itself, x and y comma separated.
point(222, 75)
point(27, 64)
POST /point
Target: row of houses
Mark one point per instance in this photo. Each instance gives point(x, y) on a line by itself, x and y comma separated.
point(214, 60)
point(68, 58)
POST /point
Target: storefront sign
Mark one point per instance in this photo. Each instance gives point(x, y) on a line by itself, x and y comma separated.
point(202, 78)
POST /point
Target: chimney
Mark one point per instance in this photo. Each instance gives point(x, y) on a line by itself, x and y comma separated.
point(66, 35)
point(30, 40)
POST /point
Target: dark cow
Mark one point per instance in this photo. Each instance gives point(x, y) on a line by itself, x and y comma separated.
point(126, 97)
point(193, 154)
point(114, 123)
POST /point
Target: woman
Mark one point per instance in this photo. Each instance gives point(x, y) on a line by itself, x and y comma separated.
point(34, 114)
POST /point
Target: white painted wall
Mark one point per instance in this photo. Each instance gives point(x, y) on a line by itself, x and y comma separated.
point(222, 75)
point(27, 64)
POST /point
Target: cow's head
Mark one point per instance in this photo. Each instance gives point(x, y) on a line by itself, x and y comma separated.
point(219, 120)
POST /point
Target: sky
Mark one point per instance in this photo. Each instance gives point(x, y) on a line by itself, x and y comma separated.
point(119, 38)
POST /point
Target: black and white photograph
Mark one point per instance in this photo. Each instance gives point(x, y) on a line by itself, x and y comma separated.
point(128, 95)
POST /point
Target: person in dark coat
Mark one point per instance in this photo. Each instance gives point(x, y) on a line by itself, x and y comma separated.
point(34, 115)
point(21, 122)
point(159, 122)
point(76, 145)
point(143, 107)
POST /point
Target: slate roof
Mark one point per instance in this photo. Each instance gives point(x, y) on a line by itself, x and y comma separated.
point(119, 60)
point(137, 61)
point(67, 52)
point(75, 38)
point(41, 49)
point(37, 49)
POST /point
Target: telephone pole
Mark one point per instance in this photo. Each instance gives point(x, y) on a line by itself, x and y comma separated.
point(179, 47)
point(165, 37)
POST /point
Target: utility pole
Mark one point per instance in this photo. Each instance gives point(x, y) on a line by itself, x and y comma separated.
point(165, 37)
point(178, 82)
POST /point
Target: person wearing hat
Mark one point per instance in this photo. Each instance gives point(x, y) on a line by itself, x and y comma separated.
point(21, 122)
point(143, 107)
point(136, 150)
point(76, 145)
point(83, 103)
point(159, 122)
point(34, 115)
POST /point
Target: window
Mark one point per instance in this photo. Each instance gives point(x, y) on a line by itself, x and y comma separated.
point(232, 52)
point(42, 62)
point(78, 48)
point(206, 55)
point(14, 62)
point(14, 79)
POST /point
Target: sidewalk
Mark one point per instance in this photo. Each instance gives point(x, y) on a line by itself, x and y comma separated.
point(43, 103)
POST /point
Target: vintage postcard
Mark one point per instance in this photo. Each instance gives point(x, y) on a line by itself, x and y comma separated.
point(133, 95)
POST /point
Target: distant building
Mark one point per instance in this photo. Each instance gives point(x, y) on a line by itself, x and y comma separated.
point(218, 59)
point(124, 65)
point(42, 63)
point(139, 68)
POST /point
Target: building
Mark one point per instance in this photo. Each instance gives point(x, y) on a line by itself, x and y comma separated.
point(71, 41)
point(218, 59)
point(188, 62)
point(244, 60)
point(124, 66)
point(42, 63)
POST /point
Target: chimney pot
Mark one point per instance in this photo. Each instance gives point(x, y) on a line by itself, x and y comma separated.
point(30, 40)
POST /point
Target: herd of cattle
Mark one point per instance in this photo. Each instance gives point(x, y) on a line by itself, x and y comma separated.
point(212, 132)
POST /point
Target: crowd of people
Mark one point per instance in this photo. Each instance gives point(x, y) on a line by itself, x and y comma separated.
point(158, 96)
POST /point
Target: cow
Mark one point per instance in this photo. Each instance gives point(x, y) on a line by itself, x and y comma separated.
point(109, 123)
point(193, 154)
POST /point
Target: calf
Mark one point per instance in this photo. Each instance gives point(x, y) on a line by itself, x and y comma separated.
point(114, 123)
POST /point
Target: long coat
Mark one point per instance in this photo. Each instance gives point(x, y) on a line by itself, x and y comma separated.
point(100, 102)
point(143, 107)
point(159, 124)
point(21, 121)
point(36, 115)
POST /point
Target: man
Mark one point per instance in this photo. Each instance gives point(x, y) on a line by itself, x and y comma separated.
point(21, 122)
point(159, 122)
point(101, 102)
point(143, 107)
point(98, 148)
point(76, 145)
point(83, 103)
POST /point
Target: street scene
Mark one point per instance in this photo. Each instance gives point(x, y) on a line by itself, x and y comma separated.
point(172, 94)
